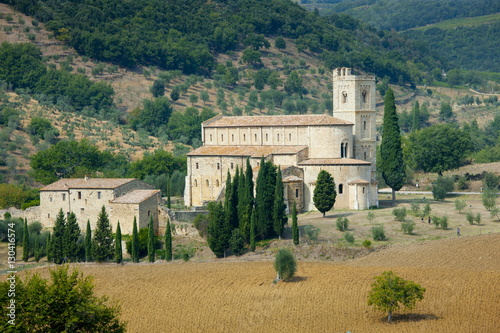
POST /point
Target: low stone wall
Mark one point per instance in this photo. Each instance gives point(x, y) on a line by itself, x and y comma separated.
point(183, 215)
point(32, 214)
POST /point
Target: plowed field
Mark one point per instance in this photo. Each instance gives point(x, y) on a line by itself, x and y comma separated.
point(461, 275)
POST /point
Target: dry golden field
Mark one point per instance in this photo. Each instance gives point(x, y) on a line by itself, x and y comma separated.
point(461, 275)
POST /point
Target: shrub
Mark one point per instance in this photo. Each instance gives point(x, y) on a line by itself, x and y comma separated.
point(408, 227)
point(285, 264)
point(311, 232)
point(443, 222)
point(427, 210)
point(371, 217)
point(349, 237)
point(378, 233)
point(442, 186)
point(470, 217)
point(184, 252)
point(399, 213)
point(477, 218)
point(237, 242)
point(415, 208)
point(342, 223)
point(201, 223)
point(460, 205)
point(367, 243)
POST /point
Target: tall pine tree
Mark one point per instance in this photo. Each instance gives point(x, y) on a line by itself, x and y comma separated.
point(26, 241)
point(88, 243)
point(295, 227)
point(151, 240)
point(168, 242)
point(392, 164)
point(118, 244)
point(103, 249)
point(219, 232)
point(71, 236)
point(324, 193)
point(135, 242)
point(57, 241)
point(279, 209)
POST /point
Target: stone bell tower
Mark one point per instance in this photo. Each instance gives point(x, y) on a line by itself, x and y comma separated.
point(354, 101)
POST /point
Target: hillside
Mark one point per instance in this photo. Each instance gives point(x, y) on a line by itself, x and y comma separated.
point(461, 292)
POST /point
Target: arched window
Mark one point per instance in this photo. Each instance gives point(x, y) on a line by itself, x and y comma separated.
point(218, 166)
point(232, 165)
point(344, 97)
point(232, 137)
point(195, 183)
point(244, 137)
point(365, 155)
point(267, 138)
point(210, 137)
point(208, 183)
point(278, 137)
point(363, 189)
point(196, 165)
point(297, 193)
point(289, 136)
point(222, 137)
point(342, 150)
point(364, 125)
point(217, 183)
point(345, 150)
point(363, 96)
point(255, 135)
point(341, 188)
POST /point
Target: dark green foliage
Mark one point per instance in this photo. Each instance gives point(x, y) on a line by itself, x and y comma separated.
point(399, 213)
point(26, 241)
point(293, 85)
point(48, 247)
point(21, 64)
point(279, 208)
point(66, 304)
point(285, 265)
point(187, 124)
point(57, 241)
point(151, 240)
point(251, 57)
point(324, 192)
point(168, 242)
point(158, 163)
point(88, 243)
point(201, 224)
point(158, 88)
point(102, 247)
point(280, 43)
point(175, 95)
point(237, 242)
point(489, 197)
point(231, 201)
point(441, 187)
point(245, 200)
point(391, 164)
point(408, 227)
point(71, 236)
point(349, 238)
point(378, 233)
point(295, 227)
point(264, 199)
point(38, 249)
point(252, 231)
point(256, 41)
point(39, 126)
point(219, 232)
point(135, 242)
point(445, 112)
point(342, 224)
point(118, 244)
point(153, 114)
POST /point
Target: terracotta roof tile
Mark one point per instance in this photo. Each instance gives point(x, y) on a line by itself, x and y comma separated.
point(290, 120)
point(69, 183)
point(333, 161)
point(136, 196)
point(252, 151)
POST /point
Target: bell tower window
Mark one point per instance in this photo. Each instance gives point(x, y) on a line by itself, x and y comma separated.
point(363, 96)
point(344, 97)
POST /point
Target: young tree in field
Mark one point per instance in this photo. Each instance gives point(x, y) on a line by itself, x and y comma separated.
point(102, 247)
point(118, 244)
point(151, 241)
point(168, 242)
point(219, 232)
point(279, 208)
point(392, 164)
point(285, 265)
point(71, 235)
point(66, 303)
point(252, 231)
point(389, 292)
point(88, 243)
point(489, 197)
point(57, 242)
point(460, 205)
point(324, 192)
point(26, 241)
point(295, 227)
point(135, 242)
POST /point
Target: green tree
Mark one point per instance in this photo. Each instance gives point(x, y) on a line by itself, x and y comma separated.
point(441, 187)
point(264, 199)
point(415, 115)
point(71, 235)
point(26, 241)
point(153, 114)
point(168, 242)
point(295, 227)
point(66, 304)
point(293, 85)
point(252, 231)
point(391, 165)
point(102, 247)
point(489, 197)
point(324, 193)
point(38, 249)
point(460, 205)
point(48, 247)
point(205, 97)
point(237, 242)
point(158, 88)
point(280, 43)
point(445, 112)
point(231, 201)
point(256, 41)
point(175, 95)
point(219, 232)
point(279, 208)
point(285, 265)
point(88, 243)
point(118, 244)
point(251, 57)
point(389, 292)
point(151, 240)
point(245, 200)
point(57, 241)
point(135, 242)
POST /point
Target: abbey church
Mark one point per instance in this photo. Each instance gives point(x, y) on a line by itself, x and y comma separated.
point(343, 144)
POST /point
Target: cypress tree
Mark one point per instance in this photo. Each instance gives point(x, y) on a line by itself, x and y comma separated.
point(151, 240)
point(71, 235)
point(392, 164)
point(252, 231)
point(88, 243)
point(169, 190)
point(324, 193)
point(118, 244)
point(38, 250)
point(245, 200)
point(295, 227)
point(103, 249)
point(219, 232)
point(57, 242)
point(168, 242)
point(279, 208)
point(231, 202)
point(135, 242)
point(415, 125)
point(26, 241)
point(264, 199)
point(48, 247)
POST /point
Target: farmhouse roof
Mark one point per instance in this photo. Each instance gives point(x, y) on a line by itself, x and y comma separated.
point(102, 183)
point(333, 161)
point(136, 196)
point(252, 151)
point(290, 120)
point(358, 181)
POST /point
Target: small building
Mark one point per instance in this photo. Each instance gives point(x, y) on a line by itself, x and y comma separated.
point(123, 198)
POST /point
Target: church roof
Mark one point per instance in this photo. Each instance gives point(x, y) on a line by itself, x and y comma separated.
point(136, 196)
point(252, 151)
point(333, 161)
point(290, 120)
point(103, 183)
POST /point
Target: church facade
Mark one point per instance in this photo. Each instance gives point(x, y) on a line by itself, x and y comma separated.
point(302, 145)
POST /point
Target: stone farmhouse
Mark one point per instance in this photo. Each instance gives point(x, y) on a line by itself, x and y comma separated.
point(124, 199)
point(343, 144)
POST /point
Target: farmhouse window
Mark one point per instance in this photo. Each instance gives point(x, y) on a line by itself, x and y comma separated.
point(98, 195)
point(64, 196)
point(341, 188)
point(79, 194)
